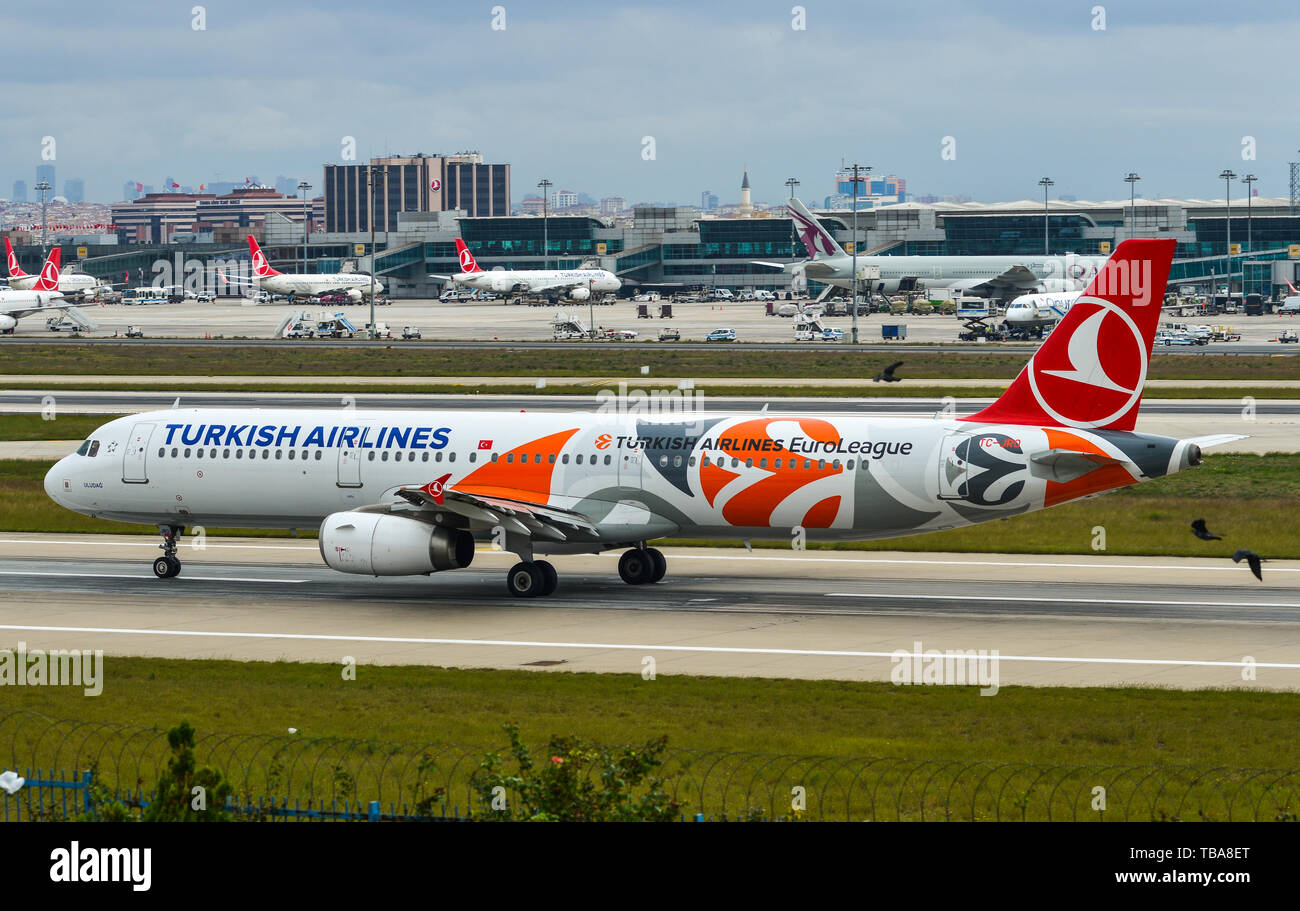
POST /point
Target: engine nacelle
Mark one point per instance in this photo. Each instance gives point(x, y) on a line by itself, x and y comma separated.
point(379, 544)
point(579, 294)
point(7, 323)
point(500, 285)
point(354, 294)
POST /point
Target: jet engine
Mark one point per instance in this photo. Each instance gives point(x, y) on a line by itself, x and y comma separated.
point(579, 294)
point(501, 285)
point(380, 544)
point(354, 294)
point(7, 323)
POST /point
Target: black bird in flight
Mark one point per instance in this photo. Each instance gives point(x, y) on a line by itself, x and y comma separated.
point(1199, 529)
point(1252, 559)
point(887, 375)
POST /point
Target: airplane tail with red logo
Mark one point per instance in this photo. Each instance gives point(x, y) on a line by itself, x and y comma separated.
point(260, 267)
point(1090, 371)
point(14, 270)
point(49, 280)
point(467, 263)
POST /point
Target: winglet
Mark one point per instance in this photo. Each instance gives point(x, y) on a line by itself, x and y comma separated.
point(435, 489)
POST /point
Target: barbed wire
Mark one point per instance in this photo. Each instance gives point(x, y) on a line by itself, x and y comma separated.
point(435, 778)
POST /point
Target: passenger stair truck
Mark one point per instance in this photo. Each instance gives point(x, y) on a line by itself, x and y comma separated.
point(566, 326)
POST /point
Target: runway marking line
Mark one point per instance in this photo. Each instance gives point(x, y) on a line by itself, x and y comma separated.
point(698, 649)
point(1055, 600)
point(15, 572)
point(767, 558)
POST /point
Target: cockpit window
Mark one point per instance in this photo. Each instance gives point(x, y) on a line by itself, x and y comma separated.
point(83, 448)
point(94, 448)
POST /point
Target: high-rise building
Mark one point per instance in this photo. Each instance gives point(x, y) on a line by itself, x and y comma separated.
point(45, 172)
point(74, 190)
point(708, 201)
point(563, 199)
point(286, 185)
point(419, 183)
point(20, 191)
point(612, 205)
point(129, 191)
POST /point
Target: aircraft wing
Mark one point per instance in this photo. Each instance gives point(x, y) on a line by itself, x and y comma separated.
point(516, 515)
point(566, 284)
point(759, 262)
point(445, 278)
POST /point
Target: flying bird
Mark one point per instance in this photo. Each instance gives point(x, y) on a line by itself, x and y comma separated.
point(1252, 559)
point(887, 375)
point(1199, 529)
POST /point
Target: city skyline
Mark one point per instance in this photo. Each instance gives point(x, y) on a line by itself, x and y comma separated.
point(786, 101)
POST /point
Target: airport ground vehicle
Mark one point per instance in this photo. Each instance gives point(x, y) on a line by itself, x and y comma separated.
point(669, 335)
point(646, 297)
point(1289, 335)
point(410, 332)
point(832, 334)
point(721, 335)
point(60, 323)
point(134, 332)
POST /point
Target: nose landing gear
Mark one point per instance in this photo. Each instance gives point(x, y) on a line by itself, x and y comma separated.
point(168, 565)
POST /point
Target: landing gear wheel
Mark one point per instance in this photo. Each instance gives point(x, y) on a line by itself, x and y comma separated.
point(525, 580)
point(659, 562)
point(636, 567)
point(550, 578)
point(166, 567)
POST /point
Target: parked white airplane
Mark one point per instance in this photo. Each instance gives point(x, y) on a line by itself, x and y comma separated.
point(44, 296)
point(355, 285)
point(1031, 311)
point(575, 284)
point(70, 283)
point(409, 493)
point(985, 275)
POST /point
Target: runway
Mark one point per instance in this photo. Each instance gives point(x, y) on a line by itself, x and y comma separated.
point(1059, 620)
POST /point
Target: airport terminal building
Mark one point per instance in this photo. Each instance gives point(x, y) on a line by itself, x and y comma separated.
point(679, 248)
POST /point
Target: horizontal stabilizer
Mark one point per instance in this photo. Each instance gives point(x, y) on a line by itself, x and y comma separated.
point(1064, 465)
point(1217, 439)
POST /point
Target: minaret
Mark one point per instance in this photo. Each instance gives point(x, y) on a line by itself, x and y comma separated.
point(746, 208)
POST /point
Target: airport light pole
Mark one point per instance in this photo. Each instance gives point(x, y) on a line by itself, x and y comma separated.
point(1250, 191)
point(1045, 183)
point(591, 309)
point(370, 182)
point(1227, 175)
point(856, 180)
point(546, 245)
point(304, 187)
point(792, 183)
point(1131, 179)
point(43, 186)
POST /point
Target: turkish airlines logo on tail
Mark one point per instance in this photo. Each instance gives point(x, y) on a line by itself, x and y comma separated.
point(259, 262)
point(14, 271)
point(436, 489)
point(466, 260)
point(49, 280)
point(1090, 371)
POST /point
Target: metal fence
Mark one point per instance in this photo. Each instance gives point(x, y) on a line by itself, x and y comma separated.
point(288, 777)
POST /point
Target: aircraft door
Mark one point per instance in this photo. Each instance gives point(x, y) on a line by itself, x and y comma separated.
point(350, 458)
point(133, 457)
point(954, 466)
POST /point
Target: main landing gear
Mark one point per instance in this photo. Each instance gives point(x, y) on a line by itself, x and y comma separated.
point(168, 566)
point(532, 579)
point(642, 566)
point(537, 579)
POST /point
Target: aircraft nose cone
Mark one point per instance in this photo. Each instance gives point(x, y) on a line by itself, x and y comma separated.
point(54, 481)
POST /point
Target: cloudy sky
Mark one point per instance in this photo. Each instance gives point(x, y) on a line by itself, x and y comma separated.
point(569, 91)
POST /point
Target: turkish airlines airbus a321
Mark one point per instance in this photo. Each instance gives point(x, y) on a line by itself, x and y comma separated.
point(409, 493)
point(576, 284)
point(355, 285)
